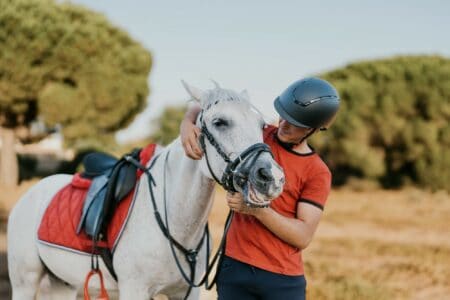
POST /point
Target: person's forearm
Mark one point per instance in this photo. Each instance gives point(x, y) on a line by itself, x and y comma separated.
point(293, 231)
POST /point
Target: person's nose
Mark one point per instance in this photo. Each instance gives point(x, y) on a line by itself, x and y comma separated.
point(284, 123)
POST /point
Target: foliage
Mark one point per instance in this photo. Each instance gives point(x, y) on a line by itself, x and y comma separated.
point(393, 125)
point(169, 124)
point(69, 66)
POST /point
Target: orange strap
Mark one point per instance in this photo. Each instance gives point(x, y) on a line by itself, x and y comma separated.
point(103, 294)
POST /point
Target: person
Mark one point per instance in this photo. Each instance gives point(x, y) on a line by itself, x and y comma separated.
point(264, 245)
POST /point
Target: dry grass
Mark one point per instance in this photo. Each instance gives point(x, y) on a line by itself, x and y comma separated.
point(376, 245)
point(370, 244)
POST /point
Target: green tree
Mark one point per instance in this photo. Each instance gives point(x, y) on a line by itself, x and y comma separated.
point(168, 124)
point(66, 65)
point(393, 125)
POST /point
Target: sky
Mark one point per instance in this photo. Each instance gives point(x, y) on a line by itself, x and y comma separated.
point(263, 46)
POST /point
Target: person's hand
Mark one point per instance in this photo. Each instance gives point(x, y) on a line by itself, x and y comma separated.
point(236, 203)
point(189, 134)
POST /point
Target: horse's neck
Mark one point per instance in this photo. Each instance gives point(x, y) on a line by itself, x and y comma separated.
point(187, 191)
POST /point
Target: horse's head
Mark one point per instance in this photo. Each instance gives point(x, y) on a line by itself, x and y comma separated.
point(232, 139)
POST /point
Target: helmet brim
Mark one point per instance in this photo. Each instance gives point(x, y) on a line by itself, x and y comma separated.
point(283, 114)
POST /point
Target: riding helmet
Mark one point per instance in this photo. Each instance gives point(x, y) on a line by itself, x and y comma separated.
point(309, 103)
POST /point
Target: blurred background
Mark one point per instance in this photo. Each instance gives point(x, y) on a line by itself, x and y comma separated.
point(83, 76)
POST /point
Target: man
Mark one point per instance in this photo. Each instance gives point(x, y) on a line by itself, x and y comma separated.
point(263, 248)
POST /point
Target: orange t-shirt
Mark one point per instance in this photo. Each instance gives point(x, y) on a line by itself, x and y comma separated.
point(308, 179)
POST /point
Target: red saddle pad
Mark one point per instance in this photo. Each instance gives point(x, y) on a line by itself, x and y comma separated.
point(61, 218)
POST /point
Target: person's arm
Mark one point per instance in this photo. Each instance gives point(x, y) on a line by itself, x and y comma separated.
point(297, 232)
point(190, 133)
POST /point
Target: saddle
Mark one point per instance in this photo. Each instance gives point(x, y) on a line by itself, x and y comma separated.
point(112, 180)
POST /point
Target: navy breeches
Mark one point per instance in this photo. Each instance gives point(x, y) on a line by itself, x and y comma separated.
point(240, 281)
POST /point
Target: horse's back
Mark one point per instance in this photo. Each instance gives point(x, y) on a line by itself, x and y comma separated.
point(25, 216)
point(32, 204)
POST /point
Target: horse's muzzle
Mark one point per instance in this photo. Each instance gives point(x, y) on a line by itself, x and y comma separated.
point(257, 183)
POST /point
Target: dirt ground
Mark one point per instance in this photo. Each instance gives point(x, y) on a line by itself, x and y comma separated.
point(370, 244)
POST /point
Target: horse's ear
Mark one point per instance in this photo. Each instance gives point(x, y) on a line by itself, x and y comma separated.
point(216, 85)
point(195, 93)
point(245, 95)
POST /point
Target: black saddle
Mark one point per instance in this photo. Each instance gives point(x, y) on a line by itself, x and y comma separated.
point(97, 163)
point(112, 180)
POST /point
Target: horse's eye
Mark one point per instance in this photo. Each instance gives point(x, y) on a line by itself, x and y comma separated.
point(220, 122)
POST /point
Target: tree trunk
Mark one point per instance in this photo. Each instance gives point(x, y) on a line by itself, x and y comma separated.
point(9, 165)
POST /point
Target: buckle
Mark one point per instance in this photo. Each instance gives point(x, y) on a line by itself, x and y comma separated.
point(192, 255)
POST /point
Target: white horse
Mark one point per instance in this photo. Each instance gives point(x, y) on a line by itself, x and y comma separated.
point(143, 260)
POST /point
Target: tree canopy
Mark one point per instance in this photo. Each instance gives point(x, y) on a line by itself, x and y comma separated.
point(393, 125)
point(70, 66)
point(168, 124)
point(63, 64)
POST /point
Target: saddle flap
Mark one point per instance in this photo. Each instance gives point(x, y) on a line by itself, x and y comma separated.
point(96, 190)
point(125, 181)
point(95, 216)
point(105, 193)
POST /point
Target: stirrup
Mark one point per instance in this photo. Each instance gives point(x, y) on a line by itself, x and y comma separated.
point(95, 270)
point(103, 294)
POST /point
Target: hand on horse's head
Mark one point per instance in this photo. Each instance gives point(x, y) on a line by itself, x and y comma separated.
point(189, 134)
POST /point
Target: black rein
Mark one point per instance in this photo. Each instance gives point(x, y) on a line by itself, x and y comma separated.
point(191, 255)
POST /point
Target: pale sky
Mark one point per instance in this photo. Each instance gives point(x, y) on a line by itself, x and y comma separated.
point(263, 46)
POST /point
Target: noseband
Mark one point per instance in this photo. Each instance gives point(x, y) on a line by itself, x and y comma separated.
point(248, 156)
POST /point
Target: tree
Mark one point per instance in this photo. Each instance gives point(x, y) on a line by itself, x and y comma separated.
point(169, 124)
point(393, 125)
point(63, 64)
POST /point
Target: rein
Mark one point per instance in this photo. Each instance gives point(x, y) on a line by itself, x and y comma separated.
point(190, 255)
point(248, 156)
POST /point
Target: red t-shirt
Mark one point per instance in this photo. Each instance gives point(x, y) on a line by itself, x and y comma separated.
point(308, 180)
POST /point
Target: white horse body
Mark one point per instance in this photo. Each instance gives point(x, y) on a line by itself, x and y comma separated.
point(143, 260)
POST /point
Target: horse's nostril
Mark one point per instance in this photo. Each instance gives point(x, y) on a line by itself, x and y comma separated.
point(264, 174)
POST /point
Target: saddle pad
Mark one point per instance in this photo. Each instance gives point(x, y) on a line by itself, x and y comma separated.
point(59, 223)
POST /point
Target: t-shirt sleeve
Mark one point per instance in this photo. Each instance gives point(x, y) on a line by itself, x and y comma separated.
point(316, 189)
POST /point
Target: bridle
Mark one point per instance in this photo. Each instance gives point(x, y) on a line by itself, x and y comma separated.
point(230, 175)
point(190, 255)
point(247, 157)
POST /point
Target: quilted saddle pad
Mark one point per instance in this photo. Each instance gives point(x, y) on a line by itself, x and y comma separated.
point(59, 224)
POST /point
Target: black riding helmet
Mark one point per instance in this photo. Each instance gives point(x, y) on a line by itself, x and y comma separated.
point(309, 103)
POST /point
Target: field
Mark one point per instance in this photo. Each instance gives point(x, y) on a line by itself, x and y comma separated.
point(377, 244)
point(371, 244)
